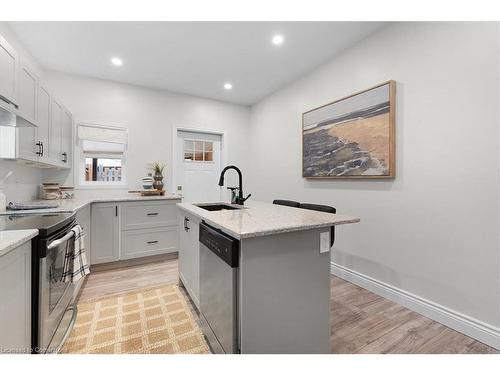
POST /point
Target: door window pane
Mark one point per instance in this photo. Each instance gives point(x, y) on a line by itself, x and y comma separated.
point(199, 151)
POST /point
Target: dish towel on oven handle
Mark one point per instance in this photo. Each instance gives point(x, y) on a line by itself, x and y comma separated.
point(76, 265)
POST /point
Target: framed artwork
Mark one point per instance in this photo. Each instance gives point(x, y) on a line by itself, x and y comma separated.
point(353, 137)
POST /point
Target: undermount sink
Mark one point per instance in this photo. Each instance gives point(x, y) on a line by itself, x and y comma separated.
point(217, 207)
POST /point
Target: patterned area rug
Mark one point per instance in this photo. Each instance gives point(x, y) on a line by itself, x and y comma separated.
point(156, 320)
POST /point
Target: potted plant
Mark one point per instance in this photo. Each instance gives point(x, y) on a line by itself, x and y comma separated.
point(157, 168)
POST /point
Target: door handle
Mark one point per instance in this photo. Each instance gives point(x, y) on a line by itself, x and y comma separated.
point(116, 210)
point(152, 213)
point(42, 148)
point(39, 145)
point(186, 221)
point(152, 242)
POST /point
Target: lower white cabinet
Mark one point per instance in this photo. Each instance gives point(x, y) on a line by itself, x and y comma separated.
point(15, 300)
point(105, 237)
point(189, 255)
point(147, 242)
point(129, 230)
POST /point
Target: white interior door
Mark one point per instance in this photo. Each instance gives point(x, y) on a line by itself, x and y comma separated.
point(198, 166)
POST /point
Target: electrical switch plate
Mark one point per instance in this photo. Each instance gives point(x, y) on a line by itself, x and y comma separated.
point(324, 242)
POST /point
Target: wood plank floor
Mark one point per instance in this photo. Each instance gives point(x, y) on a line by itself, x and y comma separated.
point(362, 322)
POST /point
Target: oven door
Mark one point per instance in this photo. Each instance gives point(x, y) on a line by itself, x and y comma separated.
point(55, 295)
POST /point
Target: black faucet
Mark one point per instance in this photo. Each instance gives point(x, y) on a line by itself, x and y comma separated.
point(239, 199)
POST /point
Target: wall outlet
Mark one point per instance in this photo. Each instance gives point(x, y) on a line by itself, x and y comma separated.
point(324, 242)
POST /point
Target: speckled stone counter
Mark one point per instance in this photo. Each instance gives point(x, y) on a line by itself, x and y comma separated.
point(262, 219)
point(77, 203)
point(11, 239)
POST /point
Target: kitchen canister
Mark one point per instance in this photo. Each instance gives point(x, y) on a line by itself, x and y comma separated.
point(147, 182)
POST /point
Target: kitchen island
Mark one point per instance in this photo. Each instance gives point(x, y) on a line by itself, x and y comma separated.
point(282, 298)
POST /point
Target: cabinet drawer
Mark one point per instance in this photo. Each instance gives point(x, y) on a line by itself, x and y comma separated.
point(150, 214)
point(145, 242)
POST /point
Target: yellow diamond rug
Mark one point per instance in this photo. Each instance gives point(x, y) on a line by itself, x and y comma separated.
point(149, 321)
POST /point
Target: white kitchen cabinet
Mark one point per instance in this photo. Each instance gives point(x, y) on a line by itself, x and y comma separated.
point(27, 93)
point(9, 61)
point(146, 242)
point(66, 137)
point(148, 214)
point(56, 134)
point(189, 255)
point(105, 237)
point(129, 230)
point(15, 297)
point(27, 98)
point(43, 117)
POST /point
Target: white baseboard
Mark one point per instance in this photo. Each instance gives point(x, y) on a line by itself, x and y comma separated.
point(486, 333)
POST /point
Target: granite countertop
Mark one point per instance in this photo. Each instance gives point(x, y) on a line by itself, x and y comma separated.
point(11, 239)
point(261, 219)
point(77, 203)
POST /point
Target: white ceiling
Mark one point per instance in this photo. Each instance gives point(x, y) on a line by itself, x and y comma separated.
point(194, 58)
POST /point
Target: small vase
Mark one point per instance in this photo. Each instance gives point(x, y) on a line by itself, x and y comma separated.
point(158, 181)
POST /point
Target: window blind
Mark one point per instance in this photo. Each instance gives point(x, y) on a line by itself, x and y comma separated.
point(97, 133)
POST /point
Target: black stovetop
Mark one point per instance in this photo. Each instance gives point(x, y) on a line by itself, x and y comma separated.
point(45, 223)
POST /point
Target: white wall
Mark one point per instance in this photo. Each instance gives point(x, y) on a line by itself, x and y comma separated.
point(433, 231)
point(149, 115)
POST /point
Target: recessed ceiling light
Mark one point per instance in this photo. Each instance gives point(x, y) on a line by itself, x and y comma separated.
point(278, 39)
point(116, 61)
point(228, 86)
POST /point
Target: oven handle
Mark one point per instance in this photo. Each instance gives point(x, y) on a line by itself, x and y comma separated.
point(70, 327)
point(60, 240)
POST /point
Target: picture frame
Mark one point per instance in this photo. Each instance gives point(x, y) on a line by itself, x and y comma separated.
point(352, 137)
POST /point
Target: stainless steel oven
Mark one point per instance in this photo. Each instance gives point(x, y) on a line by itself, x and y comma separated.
point(52, 314)
point(56, 314)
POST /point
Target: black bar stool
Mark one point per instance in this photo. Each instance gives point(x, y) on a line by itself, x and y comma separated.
point(283, 202)
point(322, 208)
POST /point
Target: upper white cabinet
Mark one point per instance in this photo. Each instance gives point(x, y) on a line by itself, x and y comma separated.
point(8, 72)
point(49, 142)
point(27, 94)
point(56, 134)
point(43, 132)
point(66, 137)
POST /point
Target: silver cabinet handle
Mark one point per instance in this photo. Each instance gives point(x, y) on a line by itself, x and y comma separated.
point(152, 213)
point(60, 240)
point(152, 242)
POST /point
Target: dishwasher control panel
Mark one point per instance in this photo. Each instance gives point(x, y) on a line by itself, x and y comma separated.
point(224, 246)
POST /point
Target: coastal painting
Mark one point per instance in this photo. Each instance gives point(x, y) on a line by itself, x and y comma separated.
point(352, 137)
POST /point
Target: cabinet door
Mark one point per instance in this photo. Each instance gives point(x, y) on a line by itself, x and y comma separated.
point(43, 118)
point(189, 255)
point(105, 233)
point(15, 294)
point(27, 93)
point(55, 134)
point(66, 136)
point(27, 97)
point(8, 72)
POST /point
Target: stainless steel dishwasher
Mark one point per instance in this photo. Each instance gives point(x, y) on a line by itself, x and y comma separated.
point(219, 262)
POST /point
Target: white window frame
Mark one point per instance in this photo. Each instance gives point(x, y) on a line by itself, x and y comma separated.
point(80, 167)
